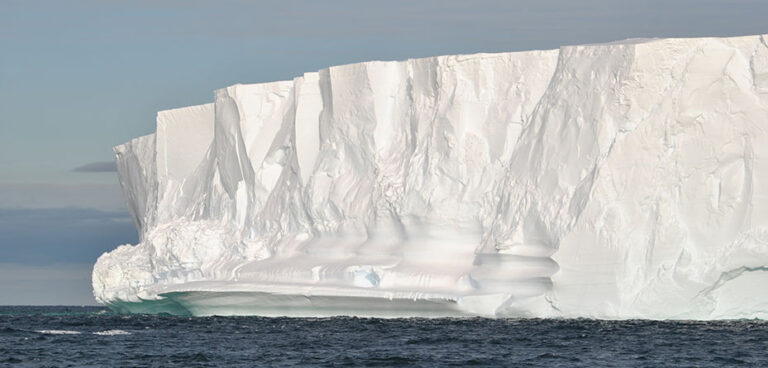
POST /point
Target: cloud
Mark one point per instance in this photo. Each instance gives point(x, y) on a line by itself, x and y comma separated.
point(61, 284)
point(61, 235)
point(47, 254)
point(7, 214)
point(105, 197)
point(100, 166)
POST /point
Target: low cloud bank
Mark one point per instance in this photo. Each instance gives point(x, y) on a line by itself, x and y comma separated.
point(100, 166)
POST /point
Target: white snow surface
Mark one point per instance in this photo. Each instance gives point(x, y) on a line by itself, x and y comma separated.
point(620, 180)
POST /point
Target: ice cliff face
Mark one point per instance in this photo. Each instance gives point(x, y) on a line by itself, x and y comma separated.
point(622, 180)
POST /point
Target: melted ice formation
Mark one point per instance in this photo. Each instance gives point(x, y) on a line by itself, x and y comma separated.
point(621, 180)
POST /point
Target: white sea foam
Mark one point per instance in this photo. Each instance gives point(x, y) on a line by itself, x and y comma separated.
point(111, 333)
point(59, 332)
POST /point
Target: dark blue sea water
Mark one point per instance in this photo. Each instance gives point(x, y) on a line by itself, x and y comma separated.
point(83, 336)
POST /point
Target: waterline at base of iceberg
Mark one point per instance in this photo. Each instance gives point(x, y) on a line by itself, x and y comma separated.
point(209, 303)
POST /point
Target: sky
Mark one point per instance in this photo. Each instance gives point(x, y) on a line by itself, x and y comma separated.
point(79, 77)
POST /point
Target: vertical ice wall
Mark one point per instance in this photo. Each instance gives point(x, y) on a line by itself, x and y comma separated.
point(653, 199)
point(676, 215)
point(138, 178)
point(183, 138)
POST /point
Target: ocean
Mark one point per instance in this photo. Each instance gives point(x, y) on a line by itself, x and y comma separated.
point(93, 337)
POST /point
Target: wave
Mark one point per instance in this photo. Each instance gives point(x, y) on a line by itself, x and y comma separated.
point(58, 332)
point(111, 333)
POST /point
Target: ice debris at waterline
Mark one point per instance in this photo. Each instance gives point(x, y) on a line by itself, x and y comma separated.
point(621, 180)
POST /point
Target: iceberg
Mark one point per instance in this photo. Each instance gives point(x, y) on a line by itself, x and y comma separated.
point(619, 180)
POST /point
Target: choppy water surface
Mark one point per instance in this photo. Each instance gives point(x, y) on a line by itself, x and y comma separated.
point(84, 336)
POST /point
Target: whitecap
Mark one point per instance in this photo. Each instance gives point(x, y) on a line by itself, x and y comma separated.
point(111, 333)
point(58, 332)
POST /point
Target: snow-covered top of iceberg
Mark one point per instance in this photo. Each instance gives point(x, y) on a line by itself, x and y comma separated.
point(600, 180)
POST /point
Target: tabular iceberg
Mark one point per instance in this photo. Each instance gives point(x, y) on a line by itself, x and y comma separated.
point(621, 180)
